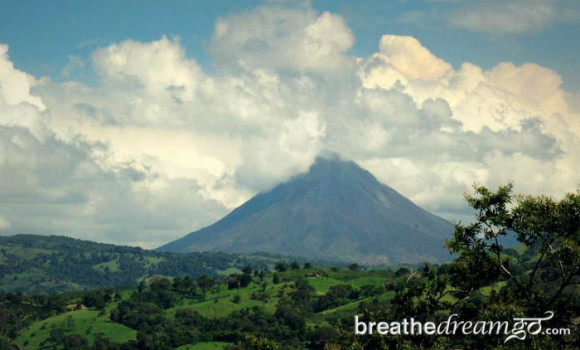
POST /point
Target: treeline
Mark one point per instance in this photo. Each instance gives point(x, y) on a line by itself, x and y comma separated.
point(146, 311)
point(295, 306)
point(39, 264)
point(18, 311)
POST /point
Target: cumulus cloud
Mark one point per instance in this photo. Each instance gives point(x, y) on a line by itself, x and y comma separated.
point(61, 182)
point(16, 85)
point(407, 55)
point(511, 112)
point(283, 39)
point(160, 147)
point(128, 65)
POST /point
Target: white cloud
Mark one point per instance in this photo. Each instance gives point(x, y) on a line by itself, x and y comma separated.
point(514, 114)
point(507, 16)
point(128, 65)
point(274, 37)
point(4, 224)
point(161, 147)
point(406, 54)
point(15, 85)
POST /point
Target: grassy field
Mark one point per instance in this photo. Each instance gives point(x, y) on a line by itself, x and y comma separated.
point(220, 303)
point(113, 265)
point(229, 271)
point(88, 323)
point(323, 284)
point(204, 346)
point(496, 287)
point(362, 281)
point(216, 303)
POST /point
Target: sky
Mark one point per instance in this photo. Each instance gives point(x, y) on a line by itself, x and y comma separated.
point(136, 122)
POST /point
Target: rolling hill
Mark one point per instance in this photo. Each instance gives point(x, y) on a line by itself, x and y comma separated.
point(53, 264)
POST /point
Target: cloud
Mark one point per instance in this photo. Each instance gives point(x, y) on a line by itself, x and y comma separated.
point(128, 64)
point(58, 181)
point(508, 17)
point(463, 124)
point(4, 224)
point(16, 85)
point(280, 38)
point(406, 54)
point(75, 64)
point(161, 147)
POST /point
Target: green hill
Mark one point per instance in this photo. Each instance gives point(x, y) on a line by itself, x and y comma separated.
point(196, 310)
point(291, 308)
point(52, 264)
point(298, 306)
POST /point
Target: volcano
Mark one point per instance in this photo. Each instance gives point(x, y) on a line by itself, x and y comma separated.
point(335, 211)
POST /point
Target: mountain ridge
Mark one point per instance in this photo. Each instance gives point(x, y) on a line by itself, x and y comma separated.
point(336, 210)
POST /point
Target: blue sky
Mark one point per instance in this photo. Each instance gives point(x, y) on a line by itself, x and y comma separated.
point(136, 122)
point(42, 35)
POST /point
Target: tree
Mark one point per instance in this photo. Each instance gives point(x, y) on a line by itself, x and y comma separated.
point(549, 229)
point(102, 343)
point(5, 343)
point(354, 267)
point(75, 342)
point(56, 334)
point(403, 271)
point(205, 282)
point(281, 266)
point(70, 323)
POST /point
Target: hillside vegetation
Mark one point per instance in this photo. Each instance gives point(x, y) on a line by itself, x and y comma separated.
point(293, 307)
point(287, 306)
point(53, 264)
point(208, 313)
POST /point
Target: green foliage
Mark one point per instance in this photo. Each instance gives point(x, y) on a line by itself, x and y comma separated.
point(54, 264)
point(549, 229)
point(75, 342)
point(252, 342)
point(281, 266)
point(354, 267)
point(5, 343)
point(314, 308)
point(403, 271)
point(294, 265)
point(39, 332)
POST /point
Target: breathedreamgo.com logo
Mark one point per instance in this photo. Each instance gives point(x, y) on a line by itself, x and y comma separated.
point(519, 329)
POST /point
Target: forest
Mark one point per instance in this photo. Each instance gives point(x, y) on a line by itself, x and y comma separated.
point(34, 264)
point(302, 305)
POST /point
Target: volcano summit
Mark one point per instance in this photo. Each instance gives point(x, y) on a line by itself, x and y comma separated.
point(336, 211)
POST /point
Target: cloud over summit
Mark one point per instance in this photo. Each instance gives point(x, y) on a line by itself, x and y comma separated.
point(161, 146)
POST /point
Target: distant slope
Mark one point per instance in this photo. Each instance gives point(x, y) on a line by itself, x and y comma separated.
point(335, 211)
point(51, 264)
